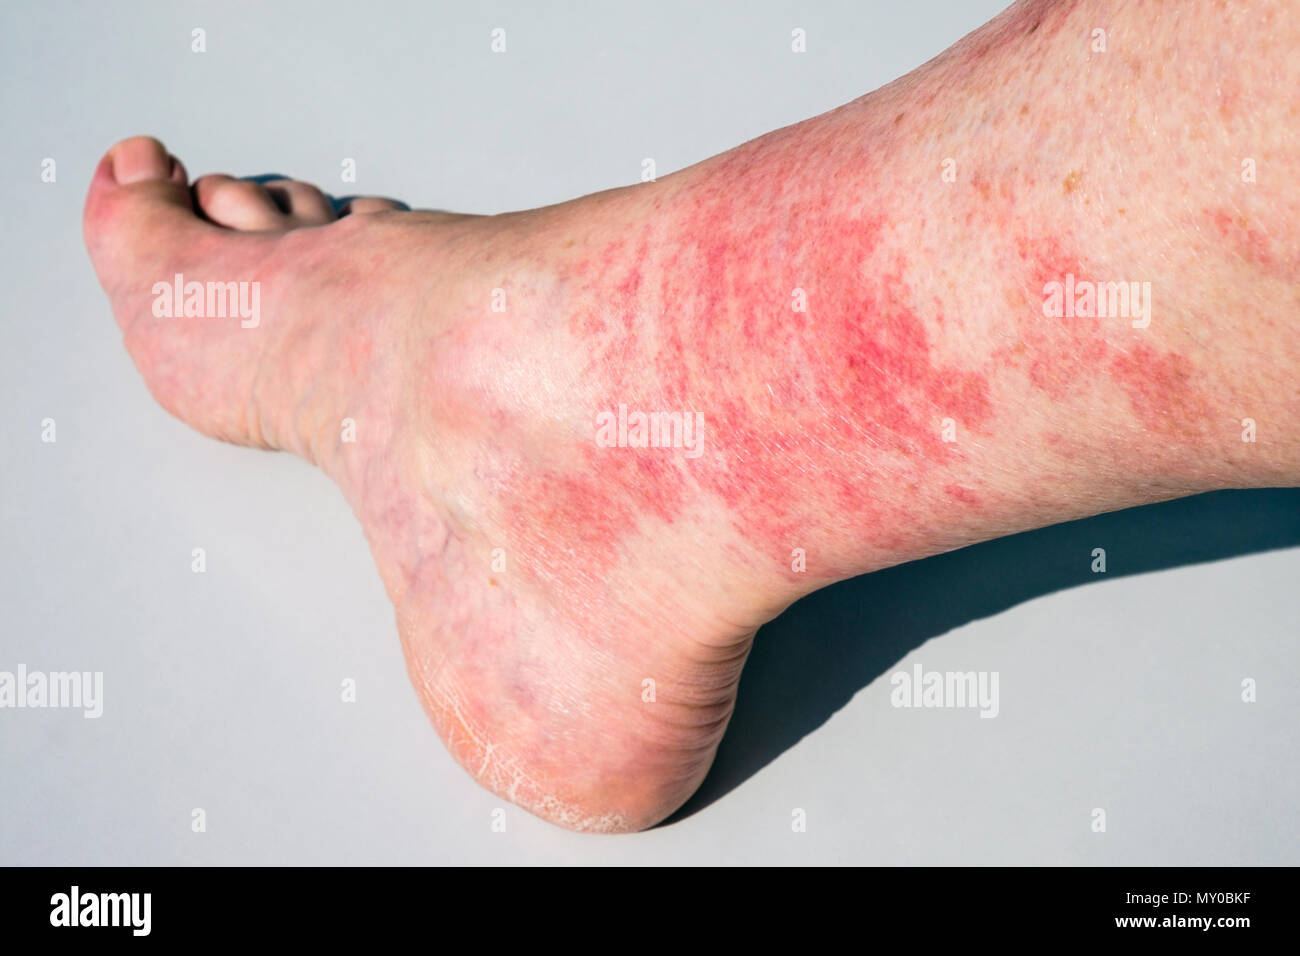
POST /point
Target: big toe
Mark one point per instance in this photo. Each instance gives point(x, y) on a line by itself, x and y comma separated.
point(184, 290)
point(138, 219)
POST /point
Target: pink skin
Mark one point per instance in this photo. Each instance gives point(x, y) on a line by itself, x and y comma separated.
point(540, 579)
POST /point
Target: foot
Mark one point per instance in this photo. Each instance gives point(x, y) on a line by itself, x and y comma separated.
point(575, 645)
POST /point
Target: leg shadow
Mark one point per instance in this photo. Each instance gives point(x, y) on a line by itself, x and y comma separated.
point(809, 662)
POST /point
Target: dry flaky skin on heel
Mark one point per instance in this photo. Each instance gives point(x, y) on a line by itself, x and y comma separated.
point(854, 308)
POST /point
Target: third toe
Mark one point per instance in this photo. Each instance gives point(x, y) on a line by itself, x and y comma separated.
point(302, 202)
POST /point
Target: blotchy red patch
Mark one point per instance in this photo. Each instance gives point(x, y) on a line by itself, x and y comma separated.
point(1051, 351)
point(1251, 244)
point(804, 336)
point(1161, 388)
point(799, 340)
point(964, 495)
point(1066, 354)
point(567, 522)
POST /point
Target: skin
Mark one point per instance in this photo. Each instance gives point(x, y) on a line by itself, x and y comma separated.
point(824, 428)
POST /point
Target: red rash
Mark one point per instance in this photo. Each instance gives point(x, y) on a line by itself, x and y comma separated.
point(1065, 355)
point(1161, 389)
point(1057, 354)
point(832, 409)
point(830, 414)
point(1251, 244)
point(964, 495)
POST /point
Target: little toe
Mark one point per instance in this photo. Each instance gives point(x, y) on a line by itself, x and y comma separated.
point(360, 205)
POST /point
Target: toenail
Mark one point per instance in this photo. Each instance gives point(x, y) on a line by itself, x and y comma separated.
point(141, 159)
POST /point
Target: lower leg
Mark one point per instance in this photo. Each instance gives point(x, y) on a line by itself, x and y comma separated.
point(867, 340)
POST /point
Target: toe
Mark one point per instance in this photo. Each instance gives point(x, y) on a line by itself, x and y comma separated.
point(145, 239)
point(143, 159)
point(303, 203)
point(239, 204)
point(140, 224)
point(138, 192)
point(367, 204)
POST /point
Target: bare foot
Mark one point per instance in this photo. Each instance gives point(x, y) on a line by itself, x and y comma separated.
point(530, 618)
point(854, 348)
